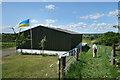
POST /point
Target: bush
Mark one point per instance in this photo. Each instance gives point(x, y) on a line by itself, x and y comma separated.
point(108, 39)
point(85, 48)
point(98, 41)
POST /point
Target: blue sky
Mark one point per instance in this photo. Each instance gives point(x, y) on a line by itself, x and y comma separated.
point(82, 17)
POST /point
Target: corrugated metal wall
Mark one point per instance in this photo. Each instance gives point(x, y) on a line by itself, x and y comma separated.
point(76, 39)
point(56, 40)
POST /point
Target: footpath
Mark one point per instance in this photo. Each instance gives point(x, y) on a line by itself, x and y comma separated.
point(89, 67)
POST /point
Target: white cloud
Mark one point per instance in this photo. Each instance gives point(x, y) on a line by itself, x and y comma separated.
point(52, 7)
point(79, 27)
point(88, 28)
point(95, 21)
point(34, 21)
point(50, 21)
point(102, 27)
point(81, 23)
point(84, 17)
point(6, 29)
point(91, 16)
point(112, 13)
point(98, 15)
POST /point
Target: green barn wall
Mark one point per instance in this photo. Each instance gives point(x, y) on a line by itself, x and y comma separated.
point(55, 40)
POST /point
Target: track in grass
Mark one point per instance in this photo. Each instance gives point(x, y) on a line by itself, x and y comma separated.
point(89, 67)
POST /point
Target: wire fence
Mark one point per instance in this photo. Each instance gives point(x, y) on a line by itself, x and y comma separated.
point(111, 51)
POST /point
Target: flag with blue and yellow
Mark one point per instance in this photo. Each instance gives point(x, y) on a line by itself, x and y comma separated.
point(24, 23)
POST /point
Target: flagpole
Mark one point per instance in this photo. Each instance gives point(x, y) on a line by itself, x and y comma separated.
point(31, 36)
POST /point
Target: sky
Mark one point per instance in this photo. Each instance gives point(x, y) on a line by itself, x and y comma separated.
point(60, 0)
point(81, 17)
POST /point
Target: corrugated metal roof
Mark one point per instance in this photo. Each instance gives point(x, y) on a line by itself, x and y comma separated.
point(62, 30)
point(58, 29)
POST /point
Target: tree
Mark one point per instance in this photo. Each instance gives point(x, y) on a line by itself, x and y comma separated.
point(20, 38)
point(109, 38)
point(41, 44)
point(115, 26)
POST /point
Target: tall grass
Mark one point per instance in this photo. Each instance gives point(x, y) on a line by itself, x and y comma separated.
point(89, 67)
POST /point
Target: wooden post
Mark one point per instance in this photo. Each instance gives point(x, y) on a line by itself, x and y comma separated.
point(63, 66)
point(113, 55)
point(59, 63)
point(77, 53)
point(80, 49)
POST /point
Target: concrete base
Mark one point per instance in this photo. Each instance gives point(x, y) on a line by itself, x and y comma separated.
point(50, 52)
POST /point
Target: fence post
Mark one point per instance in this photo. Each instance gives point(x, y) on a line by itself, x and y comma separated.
point(77, 53)
point(80, 49)
point(63, 66)
point(113, 55)
point(59, 63)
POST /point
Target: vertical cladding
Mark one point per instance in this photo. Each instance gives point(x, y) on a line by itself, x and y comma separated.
point(55, 40)
point(76, 39)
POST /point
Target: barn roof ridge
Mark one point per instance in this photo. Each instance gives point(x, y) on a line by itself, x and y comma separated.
point(59, 29)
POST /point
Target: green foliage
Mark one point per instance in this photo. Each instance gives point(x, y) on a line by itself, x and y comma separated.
point(75, 69)
point(20, 38)
point(6, 45)
point(109, 38)
point(89, 67)
point(8, 37)
point(98, 41)
point(117, 58)
point(115, 26)
point(85, 48)
point(45, 55)
point(41, 43)
point(8, 40)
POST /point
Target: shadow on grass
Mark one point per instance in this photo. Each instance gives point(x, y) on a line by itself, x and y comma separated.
point(82, 61)
point(75, 70)
point(98, 56)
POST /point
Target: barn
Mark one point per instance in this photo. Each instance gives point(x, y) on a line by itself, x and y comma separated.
point(56, 39)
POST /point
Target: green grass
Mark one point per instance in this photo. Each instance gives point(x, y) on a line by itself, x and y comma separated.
point(89, 67)
point(29, 66)
point(6, 45)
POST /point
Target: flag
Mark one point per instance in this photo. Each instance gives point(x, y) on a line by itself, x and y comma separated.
point(24, 23)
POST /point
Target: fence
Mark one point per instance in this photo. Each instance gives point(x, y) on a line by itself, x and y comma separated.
point(113, 54)
point(66, 59)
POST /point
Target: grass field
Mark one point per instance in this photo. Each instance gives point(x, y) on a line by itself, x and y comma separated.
point(29, 66)
point(6, 45)
point(89, 67)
